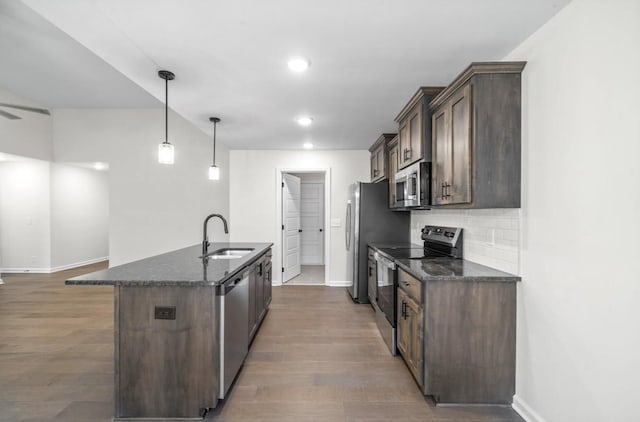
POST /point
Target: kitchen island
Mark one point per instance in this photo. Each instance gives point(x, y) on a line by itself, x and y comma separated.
point(170, 329)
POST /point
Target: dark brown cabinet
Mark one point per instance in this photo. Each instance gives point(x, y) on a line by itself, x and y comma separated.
point(392, 166)
point(259, 292)
point(409, 324)
point(414, 128)
point(372, 277)
point(267, 282)
point(457, 337)
point(379, 157)
point(476, 138)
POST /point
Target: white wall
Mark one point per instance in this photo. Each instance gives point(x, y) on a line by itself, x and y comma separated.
point(254, 191)
point(578, 324)
point(25, 235)
point(490, 237)
point(29, 136)
point(52, 216)
point(79, 216)
point(153, 208)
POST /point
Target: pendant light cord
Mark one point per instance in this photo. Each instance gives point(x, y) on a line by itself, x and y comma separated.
point(214, 143)
point(166, 111)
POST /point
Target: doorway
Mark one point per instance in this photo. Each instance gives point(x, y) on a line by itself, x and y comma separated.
point(302, 223)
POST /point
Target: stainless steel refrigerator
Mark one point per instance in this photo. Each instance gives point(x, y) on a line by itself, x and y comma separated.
point(369, 220)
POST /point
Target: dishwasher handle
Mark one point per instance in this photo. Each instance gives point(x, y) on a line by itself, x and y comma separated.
point(231, 284)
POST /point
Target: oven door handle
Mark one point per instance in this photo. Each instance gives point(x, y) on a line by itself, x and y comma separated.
point(384, 261)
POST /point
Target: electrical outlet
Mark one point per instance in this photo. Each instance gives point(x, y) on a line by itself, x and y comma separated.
point(165, 312)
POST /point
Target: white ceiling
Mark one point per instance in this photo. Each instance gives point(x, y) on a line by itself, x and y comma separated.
point(229, 56)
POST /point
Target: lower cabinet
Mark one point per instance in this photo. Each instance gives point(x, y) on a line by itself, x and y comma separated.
point(409, 329)
point(372, 277)
point(457, 337)
point(259, 292)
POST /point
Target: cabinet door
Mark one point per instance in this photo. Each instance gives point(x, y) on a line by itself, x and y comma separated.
point(267, 284)
point(382, 167)
point(259, 290)
point(414, 316)
point(404, 144)
point(374, 166)
point(441, 158)
point(403, 325)
point(452, 150)
point(460, 179)
point(415, 134)
point(393, 168)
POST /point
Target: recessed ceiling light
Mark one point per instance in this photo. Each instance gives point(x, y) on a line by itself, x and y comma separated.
point(298, 64)
point(304, 121)
point(308, 145)
point(100, 166)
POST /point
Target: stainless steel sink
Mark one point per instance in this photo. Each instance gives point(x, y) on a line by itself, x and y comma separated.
point(229, 253)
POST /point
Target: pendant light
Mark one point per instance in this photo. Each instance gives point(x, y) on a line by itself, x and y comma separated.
point(165, 149)
point(214, 172)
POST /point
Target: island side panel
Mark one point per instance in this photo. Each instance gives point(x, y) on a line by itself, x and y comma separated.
point(470, 338)
point(165, 368)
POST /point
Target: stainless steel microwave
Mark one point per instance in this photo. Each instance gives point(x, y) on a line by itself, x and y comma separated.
point(413, 186)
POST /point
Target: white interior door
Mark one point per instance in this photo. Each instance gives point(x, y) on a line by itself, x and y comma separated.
point(290, 226)
point(312, 224)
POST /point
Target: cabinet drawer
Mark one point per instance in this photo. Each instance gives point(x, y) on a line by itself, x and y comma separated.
point(410, 284)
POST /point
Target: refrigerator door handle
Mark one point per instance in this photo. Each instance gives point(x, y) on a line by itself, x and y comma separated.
point(347, 231)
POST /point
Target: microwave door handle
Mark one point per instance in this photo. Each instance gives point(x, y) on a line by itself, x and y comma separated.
point(413, 179)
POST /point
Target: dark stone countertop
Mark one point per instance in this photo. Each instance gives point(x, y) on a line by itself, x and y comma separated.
point(441, 269)
point(182, 267)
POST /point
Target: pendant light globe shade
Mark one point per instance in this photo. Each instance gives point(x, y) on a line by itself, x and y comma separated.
point(214, 173)
point(165, 153)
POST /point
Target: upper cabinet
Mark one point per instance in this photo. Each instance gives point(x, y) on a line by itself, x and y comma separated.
point(476, 138)
point(414, 128)
point(392, 166)
point(379, 157)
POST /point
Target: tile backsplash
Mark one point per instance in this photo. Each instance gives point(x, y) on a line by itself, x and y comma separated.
point(491, 236)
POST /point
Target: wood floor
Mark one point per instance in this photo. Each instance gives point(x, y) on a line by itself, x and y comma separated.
point(317, 357)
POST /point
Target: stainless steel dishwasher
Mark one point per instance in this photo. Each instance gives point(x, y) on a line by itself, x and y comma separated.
point(233, 300)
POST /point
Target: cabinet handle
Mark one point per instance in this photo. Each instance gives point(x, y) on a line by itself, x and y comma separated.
point(407, 153)
point(370, 271)
point(445, 190)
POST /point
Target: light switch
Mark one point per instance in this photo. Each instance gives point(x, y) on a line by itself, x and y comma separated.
point(336, 222)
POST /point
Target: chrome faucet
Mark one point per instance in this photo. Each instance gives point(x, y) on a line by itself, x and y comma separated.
point(205, 238)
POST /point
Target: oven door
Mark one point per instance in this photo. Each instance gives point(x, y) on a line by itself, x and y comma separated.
point(386, 300)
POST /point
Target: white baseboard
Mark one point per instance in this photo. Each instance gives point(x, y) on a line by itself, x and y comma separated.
point(79, 264)
point(525, 411)
point(25, 270)
point(52, 269)
point(329, 283)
